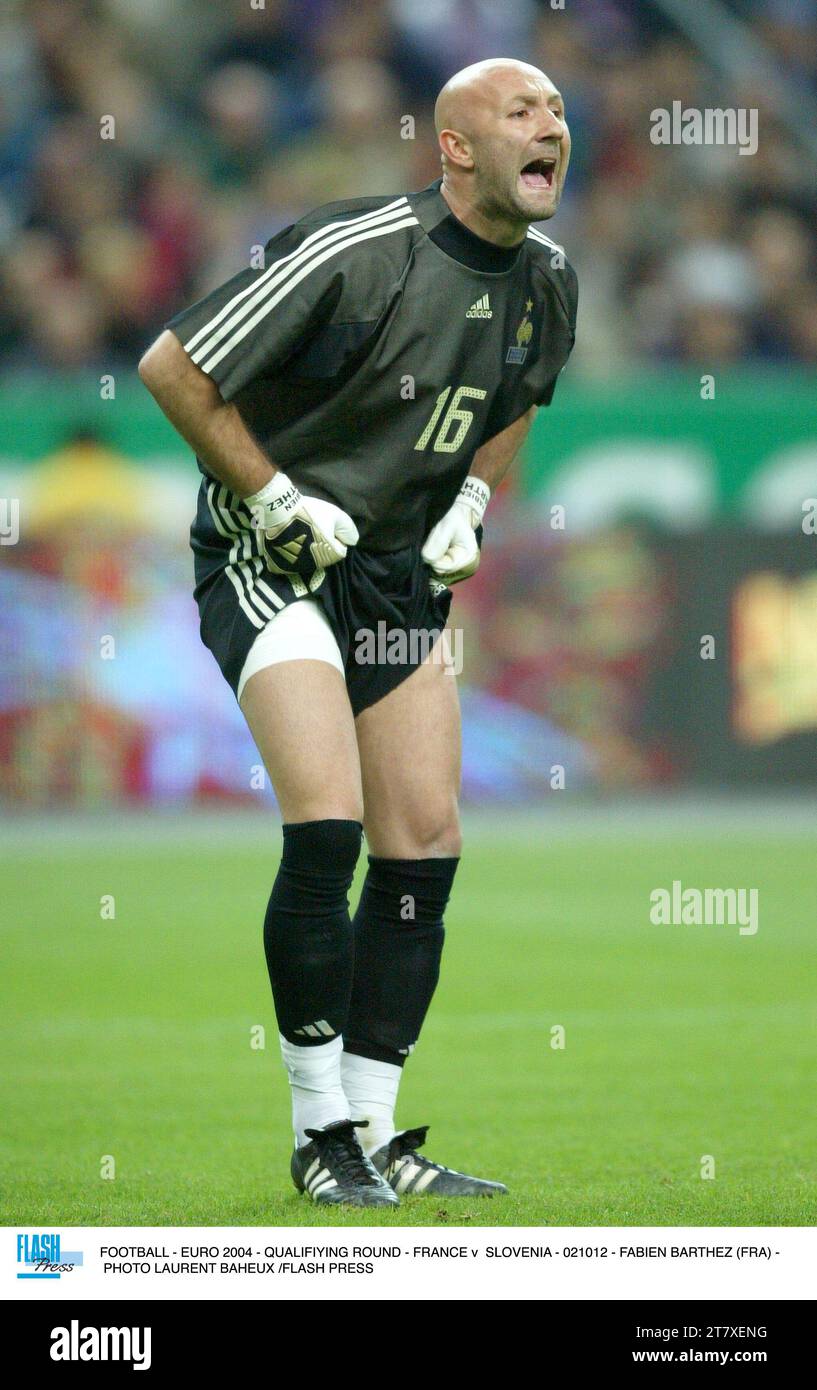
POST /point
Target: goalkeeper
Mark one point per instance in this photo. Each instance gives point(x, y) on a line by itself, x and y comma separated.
point(352, 405)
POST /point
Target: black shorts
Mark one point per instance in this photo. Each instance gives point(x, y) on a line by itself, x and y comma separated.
point(369, 599)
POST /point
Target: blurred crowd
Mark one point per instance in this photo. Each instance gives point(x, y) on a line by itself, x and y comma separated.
point(146, 145)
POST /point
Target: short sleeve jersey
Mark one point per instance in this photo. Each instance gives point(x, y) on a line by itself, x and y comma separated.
point(380, 346)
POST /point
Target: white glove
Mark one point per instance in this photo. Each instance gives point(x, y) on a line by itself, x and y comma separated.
point(302, 534)
point(451, 548)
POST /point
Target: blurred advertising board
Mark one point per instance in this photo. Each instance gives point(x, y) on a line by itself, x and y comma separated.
point(735, 699)
point(664, 448)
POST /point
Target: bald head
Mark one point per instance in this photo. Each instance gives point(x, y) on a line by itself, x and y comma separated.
point(504, 145)
point(474, 90)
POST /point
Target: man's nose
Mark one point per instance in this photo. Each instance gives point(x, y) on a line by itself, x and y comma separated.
point(551, 127)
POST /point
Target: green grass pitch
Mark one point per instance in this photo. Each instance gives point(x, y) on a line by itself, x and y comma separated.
point(132, 1037)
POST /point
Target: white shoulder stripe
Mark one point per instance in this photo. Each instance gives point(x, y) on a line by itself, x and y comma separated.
point(536, 235)
point(332, 230)
point(292, 279)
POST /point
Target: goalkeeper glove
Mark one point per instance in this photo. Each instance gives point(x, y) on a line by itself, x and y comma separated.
point(301, 534)
point(451, 548)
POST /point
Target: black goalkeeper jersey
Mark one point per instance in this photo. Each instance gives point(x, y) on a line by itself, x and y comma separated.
point(382, 344)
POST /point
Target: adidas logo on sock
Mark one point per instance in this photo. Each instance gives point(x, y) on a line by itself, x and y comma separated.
point(480, 310)
point(320, 1029)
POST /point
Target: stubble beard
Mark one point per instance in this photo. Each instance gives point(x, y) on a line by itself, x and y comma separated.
point(500, 200)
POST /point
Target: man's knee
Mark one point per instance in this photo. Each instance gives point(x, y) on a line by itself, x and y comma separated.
point(431, 831)
point(441, 839)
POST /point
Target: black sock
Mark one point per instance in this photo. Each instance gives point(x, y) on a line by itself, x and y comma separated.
point(399, 934)
point(307, 932)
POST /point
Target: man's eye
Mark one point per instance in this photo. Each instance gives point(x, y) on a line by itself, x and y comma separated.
point(523, 112)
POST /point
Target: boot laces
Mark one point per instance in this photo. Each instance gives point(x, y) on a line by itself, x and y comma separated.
point(339, 1148)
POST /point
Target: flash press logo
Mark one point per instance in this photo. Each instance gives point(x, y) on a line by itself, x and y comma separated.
point(75, 1343)
point(41, 1256)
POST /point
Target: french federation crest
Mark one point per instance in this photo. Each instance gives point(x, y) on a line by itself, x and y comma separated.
point(524, 333)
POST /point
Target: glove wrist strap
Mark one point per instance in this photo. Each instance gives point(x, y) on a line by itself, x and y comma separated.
point(476, 494)
point(279, 498)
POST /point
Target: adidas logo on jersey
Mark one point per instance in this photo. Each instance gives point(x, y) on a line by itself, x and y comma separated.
point(480, 310)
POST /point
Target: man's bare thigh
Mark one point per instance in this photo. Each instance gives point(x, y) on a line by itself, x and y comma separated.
point(410, 759)
point(300, 717)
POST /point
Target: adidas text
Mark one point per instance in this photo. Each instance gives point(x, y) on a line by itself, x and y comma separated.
point(481, 310)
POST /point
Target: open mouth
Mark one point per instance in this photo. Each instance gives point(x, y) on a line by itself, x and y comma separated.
point(540, 173)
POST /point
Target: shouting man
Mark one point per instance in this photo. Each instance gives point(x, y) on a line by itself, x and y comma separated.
point(353, 404)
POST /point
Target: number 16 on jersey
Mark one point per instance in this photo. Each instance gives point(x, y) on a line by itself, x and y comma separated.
point(453, 415)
